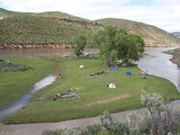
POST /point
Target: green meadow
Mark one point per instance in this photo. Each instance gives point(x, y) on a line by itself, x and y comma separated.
point(96, 97)
point(14, 85)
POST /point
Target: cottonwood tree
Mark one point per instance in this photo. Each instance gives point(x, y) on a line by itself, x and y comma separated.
point(115, 43)
point(104, 40)
point(80, 41)
point(135, 47)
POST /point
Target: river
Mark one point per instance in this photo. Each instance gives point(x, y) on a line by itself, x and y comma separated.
point(158, 64)
point(6, 53)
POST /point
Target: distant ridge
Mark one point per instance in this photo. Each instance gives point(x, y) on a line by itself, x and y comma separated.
point(152, 35)
point(19, 28)
point(177, 34)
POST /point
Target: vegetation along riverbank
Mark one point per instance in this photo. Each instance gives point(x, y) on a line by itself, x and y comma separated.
point(176, 55)
point(96, 97)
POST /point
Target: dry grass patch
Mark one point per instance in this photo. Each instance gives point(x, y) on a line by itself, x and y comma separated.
point(108, 100)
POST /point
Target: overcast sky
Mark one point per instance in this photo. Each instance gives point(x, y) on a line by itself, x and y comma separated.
point(164, 14)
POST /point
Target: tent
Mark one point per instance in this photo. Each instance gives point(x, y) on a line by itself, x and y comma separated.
point(86, 54)
point(7, 62)
point(81, 66)
point(112, 86)
point(64, 55)
point(92, 53)
point(128, 73)
point(113, 68)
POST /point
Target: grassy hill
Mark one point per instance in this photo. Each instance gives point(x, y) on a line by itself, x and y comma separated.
point(7, 14)
point(41, 30)
point(49, 28)
point(152, 35)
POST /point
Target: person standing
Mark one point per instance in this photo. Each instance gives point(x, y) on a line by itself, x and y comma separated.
point(59, 75)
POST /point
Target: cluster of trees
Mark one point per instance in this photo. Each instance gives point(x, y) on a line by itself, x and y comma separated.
point(115, 43)
point(156, 119)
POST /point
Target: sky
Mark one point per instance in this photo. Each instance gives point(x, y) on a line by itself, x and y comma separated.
point(164, 14)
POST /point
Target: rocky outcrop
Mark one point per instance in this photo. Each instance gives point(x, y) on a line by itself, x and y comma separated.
point(68, 19)
point(31, 46)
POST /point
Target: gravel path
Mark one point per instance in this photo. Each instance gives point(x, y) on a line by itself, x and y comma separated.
point(39, 128)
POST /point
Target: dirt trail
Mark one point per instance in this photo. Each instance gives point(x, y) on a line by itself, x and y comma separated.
point(39, 128)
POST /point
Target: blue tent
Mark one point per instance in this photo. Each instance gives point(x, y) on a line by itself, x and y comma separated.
point(7, 62)
point(92, 53)
point(113, 68)
point(128, 73)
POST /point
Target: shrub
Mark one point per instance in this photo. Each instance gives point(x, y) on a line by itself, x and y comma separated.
point(14, 67)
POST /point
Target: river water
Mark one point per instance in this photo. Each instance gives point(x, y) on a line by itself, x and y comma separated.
point(158, 64)
point(6, 53)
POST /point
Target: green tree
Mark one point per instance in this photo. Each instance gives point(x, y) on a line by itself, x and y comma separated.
point(80, 41)
point(115, 43)
point(104, 40)
point(135, 46)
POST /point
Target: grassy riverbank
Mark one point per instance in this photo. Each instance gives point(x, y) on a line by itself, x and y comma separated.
point(96, 96)
point(176, 55)
point(14, 85)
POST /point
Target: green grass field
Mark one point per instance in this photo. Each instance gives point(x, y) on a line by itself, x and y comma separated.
point(14, 85)
point(96, 96)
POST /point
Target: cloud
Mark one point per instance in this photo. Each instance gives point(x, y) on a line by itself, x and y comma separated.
point(163, 14)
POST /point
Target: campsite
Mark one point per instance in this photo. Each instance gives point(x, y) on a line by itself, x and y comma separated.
point(95, 96)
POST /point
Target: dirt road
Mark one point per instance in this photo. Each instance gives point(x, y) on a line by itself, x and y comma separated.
point(39, 128)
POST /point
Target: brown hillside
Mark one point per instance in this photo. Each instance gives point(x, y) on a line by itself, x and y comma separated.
point(153, 36)
point(59, 27)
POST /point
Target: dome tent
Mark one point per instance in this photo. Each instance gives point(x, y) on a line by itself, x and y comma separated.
point(81, 66)
point(113, 68)
point(128, 73)
point(86, 54)
point(112, 86)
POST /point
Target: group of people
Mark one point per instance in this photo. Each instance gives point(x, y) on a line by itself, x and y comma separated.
point(146, 73)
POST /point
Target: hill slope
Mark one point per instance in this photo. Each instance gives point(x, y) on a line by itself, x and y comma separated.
point(7, 14)
point(58, 27)
point(152, 35)
point(41, 30)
